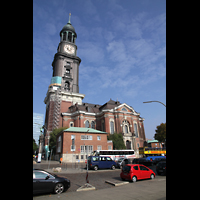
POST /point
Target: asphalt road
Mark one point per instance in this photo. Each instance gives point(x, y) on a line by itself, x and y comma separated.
point(142, 189)
point(96, 178)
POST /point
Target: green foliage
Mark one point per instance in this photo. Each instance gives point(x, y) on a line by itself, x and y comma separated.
point(160, 134)
point(117, 139)
point(35, 146)
point(52, 141)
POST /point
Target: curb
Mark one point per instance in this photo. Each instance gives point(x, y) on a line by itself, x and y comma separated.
point(86, 187)
point(118, 183)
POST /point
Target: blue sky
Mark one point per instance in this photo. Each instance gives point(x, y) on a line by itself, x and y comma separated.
point(122, 45)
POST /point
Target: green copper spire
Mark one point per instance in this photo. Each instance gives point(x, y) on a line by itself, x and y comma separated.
point(69, 22)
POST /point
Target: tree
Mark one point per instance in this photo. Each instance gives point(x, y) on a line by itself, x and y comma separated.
point(160, 134)
point(52, 141)
point(117, 139)
point(35, 146)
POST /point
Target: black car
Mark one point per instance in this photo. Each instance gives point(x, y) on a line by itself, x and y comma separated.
point(143, 161)
point(44, 181)
point(161, 168)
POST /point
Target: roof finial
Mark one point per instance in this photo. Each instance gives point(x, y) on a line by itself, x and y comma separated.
point(69, 22)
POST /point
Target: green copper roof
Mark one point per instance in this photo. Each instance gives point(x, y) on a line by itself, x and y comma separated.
point(83, 130)
point(150, 141)
point(68, 27)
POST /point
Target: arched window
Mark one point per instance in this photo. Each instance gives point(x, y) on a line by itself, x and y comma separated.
point(135, 129)
point(125, 127)
point(93, 124)
point(87, 124)
point(66, 87)
point(111, 127)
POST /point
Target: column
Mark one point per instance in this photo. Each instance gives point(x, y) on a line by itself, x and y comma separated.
point(61, 38)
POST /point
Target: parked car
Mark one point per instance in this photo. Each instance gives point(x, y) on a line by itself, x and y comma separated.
point(134, 172)
point(44, 181)
point(157, 160)
point(143, 161)
point(101, 162)
point(161, 168)
point(122, 162)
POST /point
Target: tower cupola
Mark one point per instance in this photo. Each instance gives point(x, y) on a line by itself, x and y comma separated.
point(68, 32)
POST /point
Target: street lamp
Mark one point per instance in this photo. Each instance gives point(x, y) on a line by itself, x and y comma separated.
point(155, 101)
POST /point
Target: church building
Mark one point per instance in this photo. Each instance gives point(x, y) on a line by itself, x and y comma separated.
point(64, 106)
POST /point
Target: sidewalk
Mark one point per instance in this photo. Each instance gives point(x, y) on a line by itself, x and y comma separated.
point(66, 168)
point(141, 190)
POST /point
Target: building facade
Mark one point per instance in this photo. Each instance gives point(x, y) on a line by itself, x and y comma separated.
point(64, 106)
point(75, 143)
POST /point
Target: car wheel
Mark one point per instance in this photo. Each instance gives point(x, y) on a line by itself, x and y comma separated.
point(95, 167)
point(152, 176)
point(113, 167)
point(59, 188)
point(134, 179)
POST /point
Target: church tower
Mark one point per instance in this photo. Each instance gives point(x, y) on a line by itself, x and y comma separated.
point(63, 90)
point(66, 62)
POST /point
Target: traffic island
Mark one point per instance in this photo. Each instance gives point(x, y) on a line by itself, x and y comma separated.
point(86, 187)
point(116, 183)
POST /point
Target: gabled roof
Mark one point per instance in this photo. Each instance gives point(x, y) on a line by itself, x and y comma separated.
point(83, 130)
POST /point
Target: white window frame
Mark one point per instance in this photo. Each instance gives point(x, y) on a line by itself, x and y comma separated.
point(86, 137)
point(98, 137)
point(99, 147)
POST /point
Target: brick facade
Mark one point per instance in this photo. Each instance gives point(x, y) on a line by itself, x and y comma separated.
point(93, 140)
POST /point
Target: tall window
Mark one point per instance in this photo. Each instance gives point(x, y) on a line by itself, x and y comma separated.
point(70, 36)
point(87, 124)
point(136, 131)
point(64, 36)
point(86, 148)
point(66, 85)
point(125, 127)
point(73, 143)
point(93, 124)
point(111, 127)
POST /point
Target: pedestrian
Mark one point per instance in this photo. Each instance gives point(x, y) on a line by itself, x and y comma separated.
point(61, 161)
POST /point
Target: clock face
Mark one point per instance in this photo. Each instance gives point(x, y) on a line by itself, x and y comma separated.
point(69, 49)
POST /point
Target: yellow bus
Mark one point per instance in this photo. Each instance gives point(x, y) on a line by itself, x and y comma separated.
point(147, 151)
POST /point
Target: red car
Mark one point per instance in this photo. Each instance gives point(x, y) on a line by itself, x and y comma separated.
point(136, 172)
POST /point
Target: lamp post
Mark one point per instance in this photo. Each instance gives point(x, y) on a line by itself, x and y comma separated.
point(155, 101)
